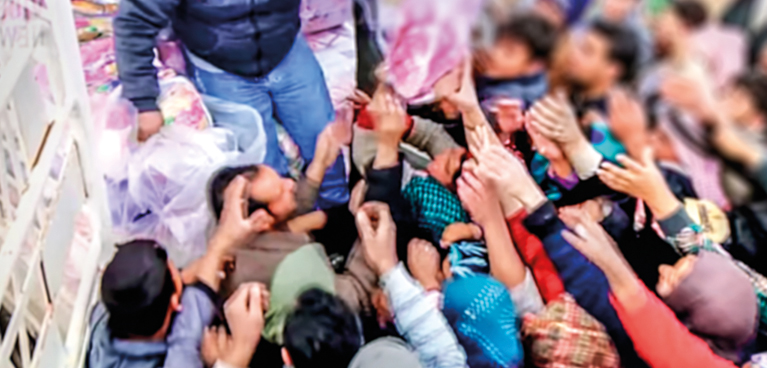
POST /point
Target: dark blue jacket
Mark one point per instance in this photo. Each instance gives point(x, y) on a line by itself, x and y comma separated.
point(582, 279)
point(244, 37)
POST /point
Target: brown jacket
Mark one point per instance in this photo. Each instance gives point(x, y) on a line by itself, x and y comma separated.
point(258, 261)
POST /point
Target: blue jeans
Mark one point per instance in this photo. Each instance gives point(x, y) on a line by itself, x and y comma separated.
point(294, 93)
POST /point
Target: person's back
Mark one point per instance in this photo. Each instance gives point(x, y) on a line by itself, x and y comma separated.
point(106, 351)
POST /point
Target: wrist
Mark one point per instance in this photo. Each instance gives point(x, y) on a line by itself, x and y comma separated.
point(663, 205)
point(315, 173)
point(240, 354)
point(571, 149)
point(511, 206)
point(387, 155)
point(384, 267)
point(532, 199)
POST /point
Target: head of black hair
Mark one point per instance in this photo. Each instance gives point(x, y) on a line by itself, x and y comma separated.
point(692, 13)
point(755, 85)
point(131, 311)
point(623, 47)
point(534, 31)
point(221, 180)
point(321, 331)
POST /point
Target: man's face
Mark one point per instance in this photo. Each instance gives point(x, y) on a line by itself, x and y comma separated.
point(668, 28)
point(277, 192)
point(445, 165)
point(739, 105)
point(590, 60)
point(508, 58)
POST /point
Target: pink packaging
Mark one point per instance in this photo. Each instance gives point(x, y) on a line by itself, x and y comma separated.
point(319, 15)
point(433, 38)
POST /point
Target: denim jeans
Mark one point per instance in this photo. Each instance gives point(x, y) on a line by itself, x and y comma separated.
point(295, 94)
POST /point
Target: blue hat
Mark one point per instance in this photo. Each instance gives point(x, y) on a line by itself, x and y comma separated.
point(481, 313)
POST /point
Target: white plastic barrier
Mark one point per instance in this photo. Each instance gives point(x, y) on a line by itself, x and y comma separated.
point(51, 194)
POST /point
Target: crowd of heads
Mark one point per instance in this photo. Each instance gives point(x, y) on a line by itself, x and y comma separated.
point(563, 124)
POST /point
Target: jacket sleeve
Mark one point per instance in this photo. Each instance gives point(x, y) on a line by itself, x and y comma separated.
point(532, 252)
point(661, 340)
point(136, 26)
point(420, 322)
point(430, 137)
point(686, 237)
point(199, 306)
point(385, 185)
point(581, 278)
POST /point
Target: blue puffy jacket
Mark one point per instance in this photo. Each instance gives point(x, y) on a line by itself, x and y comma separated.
point(244, 37)
point(582, 279)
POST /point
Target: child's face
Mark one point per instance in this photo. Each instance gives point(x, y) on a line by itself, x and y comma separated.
point(508, 58)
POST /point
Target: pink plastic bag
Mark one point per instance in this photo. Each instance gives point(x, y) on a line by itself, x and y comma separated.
point(319, 15)
point(432, 39)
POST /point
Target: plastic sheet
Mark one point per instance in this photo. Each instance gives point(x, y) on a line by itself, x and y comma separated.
point(319, 15)
point(432, 39)
point(164, 195)
point(246, 124)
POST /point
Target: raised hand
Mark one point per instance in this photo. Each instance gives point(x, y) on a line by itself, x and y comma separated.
point(641, 179)
point(509, 177)
point(479, 199)
point(628, 121)
point(389, 115)
point(546, 147)
point(326, 152)
point(690, 95)
point(465, 99)
point(244, 312)
point(235, 228)
point(592, 241)
point(379, 236)
point(555, 119)
point(423, 262)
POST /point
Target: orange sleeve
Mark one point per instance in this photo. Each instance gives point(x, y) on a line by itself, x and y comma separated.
point(661, 340)
point(531, 250)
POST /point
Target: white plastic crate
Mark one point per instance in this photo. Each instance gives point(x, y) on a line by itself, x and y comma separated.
point(48, 184)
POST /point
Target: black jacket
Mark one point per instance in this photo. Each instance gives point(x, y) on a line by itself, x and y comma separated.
point(244, 37)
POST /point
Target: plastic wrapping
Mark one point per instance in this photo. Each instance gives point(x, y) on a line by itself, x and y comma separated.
point(164, 196)
point(432, 38)
point(246, 124)
point(319, 15)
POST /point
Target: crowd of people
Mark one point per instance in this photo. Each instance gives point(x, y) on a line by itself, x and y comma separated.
point(595, 195)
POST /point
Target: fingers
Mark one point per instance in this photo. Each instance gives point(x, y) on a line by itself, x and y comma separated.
point(573, 239)
point(261, 220)
point(648, 157)
point(239, 297)
point(630, 164)
point(234, 196)
point(364, 225)
point(255, 294)
point(222, 339)
point(614, 177)
point(473, 182)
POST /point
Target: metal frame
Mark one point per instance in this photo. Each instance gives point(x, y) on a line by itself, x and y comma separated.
point(48, 146)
